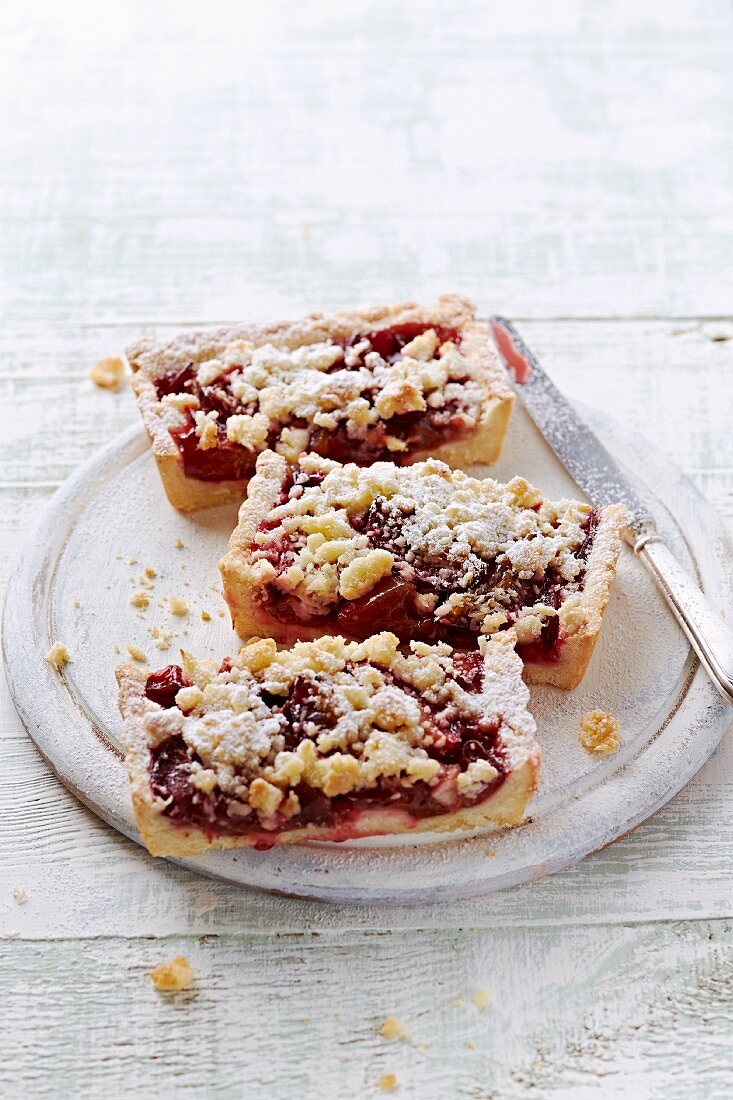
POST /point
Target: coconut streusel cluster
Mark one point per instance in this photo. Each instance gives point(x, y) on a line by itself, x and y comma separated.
point(376, 727)
point(477, 544)
point(303, 388)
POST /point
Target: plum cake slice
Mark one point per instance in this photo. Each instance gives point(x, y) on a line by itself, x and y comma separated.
point(398, 382)
point(426, 552)
point(330, 740)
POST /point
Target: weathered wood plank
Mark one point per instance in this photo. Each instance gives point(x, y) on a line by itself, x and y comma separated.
point(568, 165)
point(595, 1012)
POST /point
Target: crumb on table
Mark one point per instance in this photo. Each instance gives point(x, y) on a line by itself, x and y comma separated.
point(58, 655)
point(19, 895)
point(481, 998)
point(599, 733)
point(137, 654)
point(388, 1082)
point(173, 976)
point(394, 1028)
point(108, 373)
point(140, 599)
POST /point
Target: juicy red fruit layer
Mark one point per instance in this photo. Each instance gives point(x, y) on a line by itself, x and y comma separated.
point(230, 461)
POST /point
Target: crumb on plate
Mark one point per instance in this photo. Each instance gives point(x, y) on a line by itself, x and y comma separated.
point(140, 599)
point(599, 733)
point(178, 605)
point(137, 654)
point(58, 655)
point(481, 998)
point(19, 895)
point(162, 637)
point(388, 1082)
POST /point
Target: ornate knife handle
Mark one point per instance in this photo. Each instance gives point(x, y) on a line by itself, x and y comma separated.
point(710, 636)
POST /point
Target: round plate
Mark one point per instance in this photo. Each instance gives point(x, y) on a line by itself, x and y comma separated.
point(111, 522)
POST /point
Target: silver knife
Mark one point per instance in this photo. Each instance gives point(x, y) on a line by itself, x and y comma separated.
point(602, 480)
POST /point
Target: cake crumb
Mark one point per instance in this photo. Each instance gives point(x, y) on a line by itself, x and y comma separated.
point(481, 998)
point(394, 1028)
point(469, 1045)
point(150, 571)
point(108, 373)
point(58, 655)
point(173, 976)
point(388, 1082)
point(162, 638)
point(140, 599)
point(117, 648)
point(599, 733)
point(179, 544)
point(456, 1002)
point(76, 603)
point(19, 895)
point(137, 654)
point(206, 615)
point(132, 560)
point(178, 605)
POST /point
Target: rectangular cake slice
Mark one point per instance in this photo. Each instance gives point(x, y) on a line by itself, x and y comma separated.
point(426, 552)
point(400, 382)
point(331, 740)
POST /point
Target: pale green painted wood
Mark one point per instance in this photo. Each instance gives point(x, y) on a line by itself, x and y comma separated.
point(643, 1012)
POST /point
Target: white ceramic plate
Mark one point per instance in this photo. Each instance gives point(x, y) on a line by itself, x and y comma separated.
point(74, 582)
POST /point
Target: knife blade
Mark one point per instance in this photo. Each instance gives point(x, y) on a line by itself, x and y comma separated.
point(603, 481)
point(578, 448)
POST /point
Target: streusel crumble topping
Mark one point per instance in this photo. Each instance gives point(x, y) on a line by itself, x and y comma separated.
point(383, 393)
point(270, 735)
point(469, 554)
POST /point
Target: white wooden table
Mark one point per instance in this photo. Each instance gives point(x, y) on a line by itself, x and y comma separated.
point(567, 164)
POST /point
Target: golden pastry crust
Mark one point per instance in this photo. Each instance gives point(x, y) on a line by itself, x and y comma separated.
point(150, 359)
point(578, 646)
point(225, 745)
point(245, 577)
